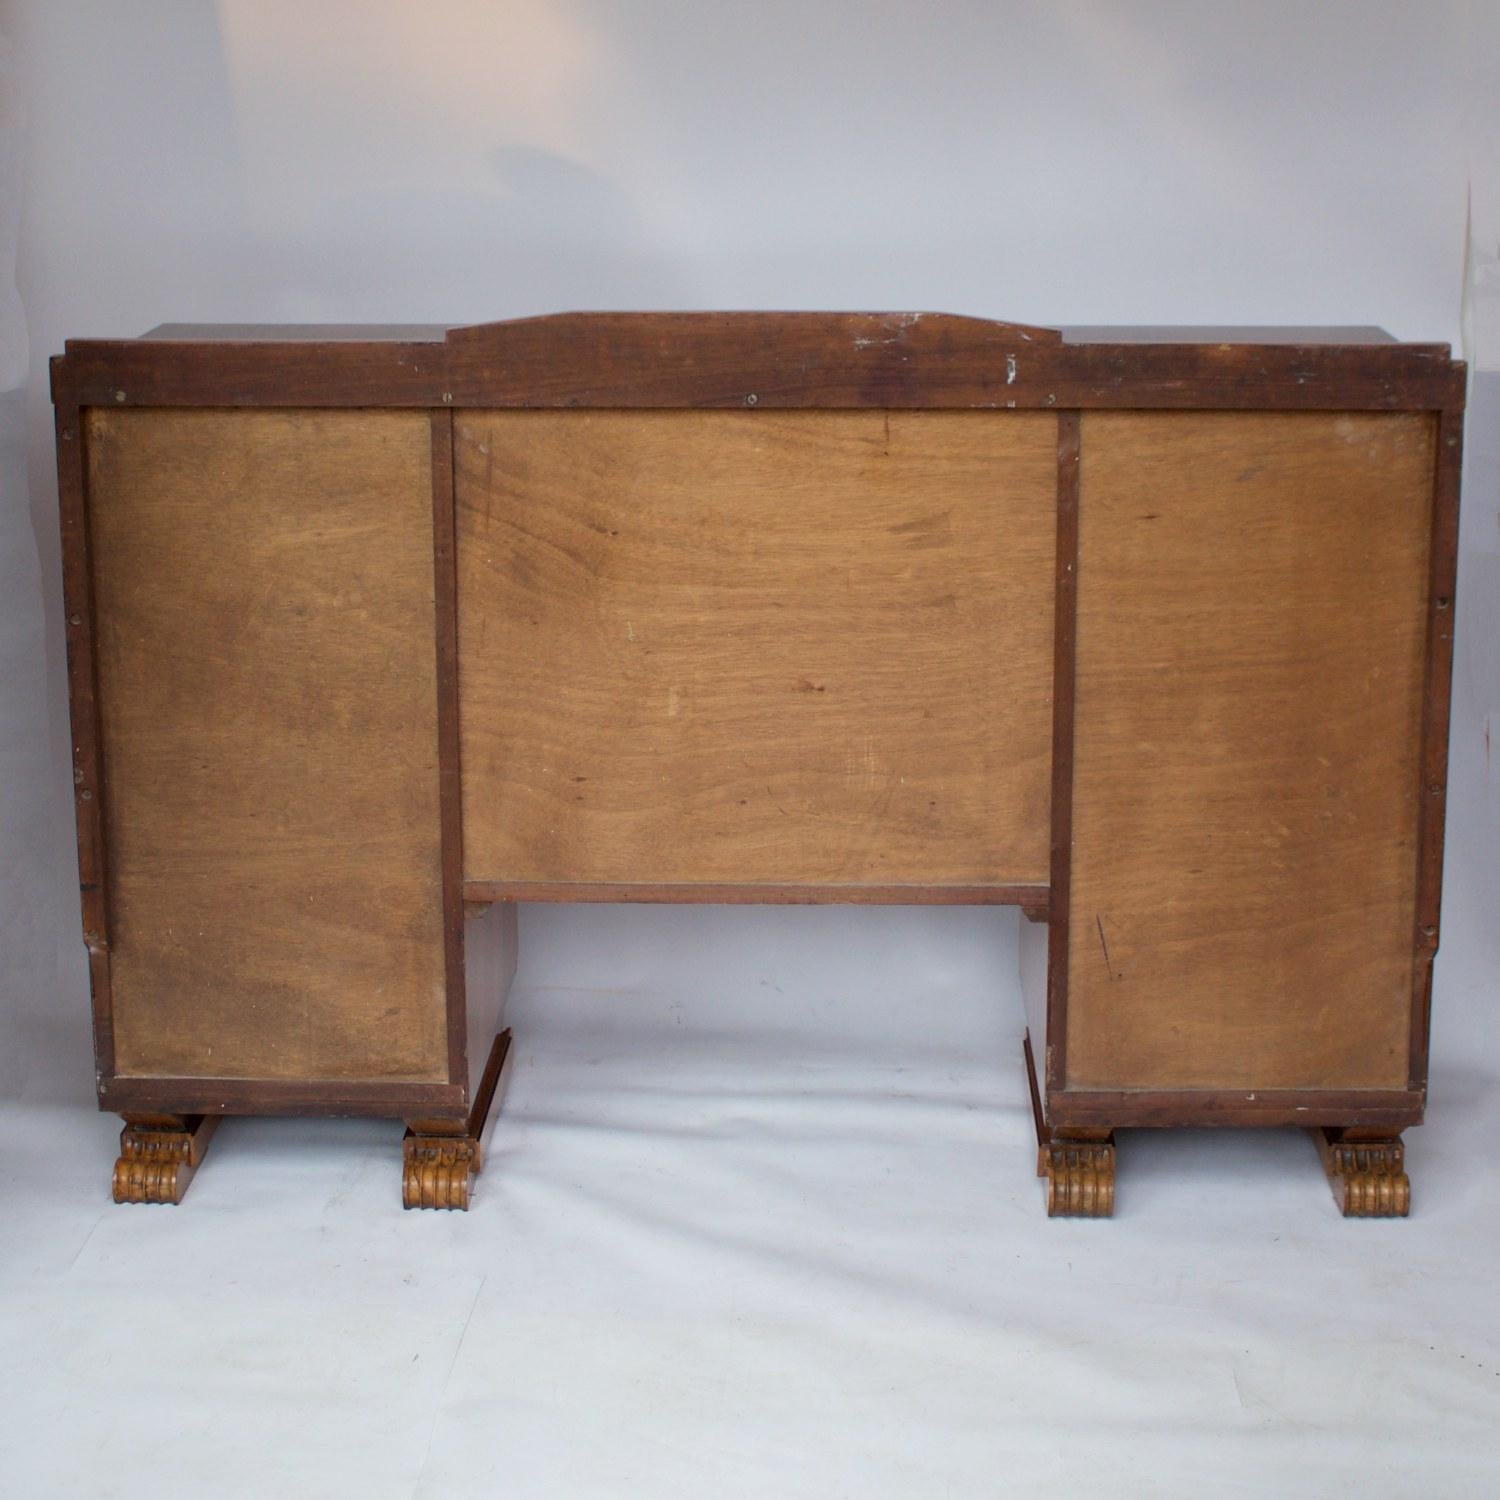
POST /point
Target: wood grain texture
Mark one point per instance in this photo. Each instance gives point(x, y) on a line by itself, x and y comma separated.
point(1166, 1108)
point(799, 360)
point(1437, 699)
point(746, 648)
point(1251, 641)
point(377, 1098)
point(1053, 1037)
point(83, 702)
point(265, 613)
point(1032, 899)
point(450, 784)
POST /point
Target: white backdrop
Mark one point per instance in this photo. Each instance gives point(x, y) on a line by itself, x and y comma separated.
point(456, 160)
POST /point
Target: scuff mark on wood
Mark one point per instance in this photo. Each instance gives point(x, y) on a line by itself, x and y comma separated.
point(1108, 967)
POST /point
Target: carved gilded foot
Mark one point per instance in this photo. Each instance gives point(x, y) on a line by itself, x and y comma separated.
point(439, 1157)
point(437, 1170)
point(1080, 1178)
point(158, 1156)
point(1366, 1172)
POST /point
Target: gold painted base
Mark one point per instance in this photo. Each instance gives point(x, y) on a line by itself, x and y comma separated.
point(1366, 1172)
point(437, 1171)
point(158, 1156)
point(438, 1161)
point(1080, 1178)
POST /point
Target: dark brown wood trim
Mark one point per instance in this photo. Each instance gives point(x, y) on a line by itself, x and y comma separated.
point(1393, 1109)
point(1436, 703)
point(1030, 897)
point(749, 327)
point(902, 360)
point(325, 375)
point(86, 737)
point(1038, 1113)
point(489, 1082)
point(767, 361)
point(1064, 656)
point(260, 1096)
point(1045, 1135)
point(450, 794)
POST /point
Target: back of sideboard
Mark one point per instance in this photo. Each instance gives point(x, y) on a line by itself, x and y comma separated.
point(1150, 638)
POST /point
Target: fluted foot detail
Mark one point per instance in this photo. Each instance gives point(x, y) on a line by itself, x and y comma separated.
point(437, 1171)
point(158, 1159)
point(1080, 1178)
point(1368, 1177)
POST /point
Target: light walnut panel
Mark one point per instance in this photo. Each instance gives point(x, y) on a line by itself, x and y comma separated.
point(749, 648)
point(265, 604)
point(1250, 644)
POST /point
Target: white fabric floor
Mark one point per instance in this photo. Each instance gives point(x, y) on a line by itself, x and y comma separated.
point(769, 1236)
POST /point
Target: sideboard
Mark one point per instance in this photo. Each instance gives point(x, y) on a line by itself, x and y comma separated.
point(375, 632)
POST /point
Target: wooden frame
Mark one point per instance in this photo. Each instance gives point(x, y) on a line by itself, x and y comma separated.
point(1437, 700)
point(1064, 662)
point(1077, 1109)
point(1032, 899)
point(445, 589)
point(194, 1095)
point(765, 361)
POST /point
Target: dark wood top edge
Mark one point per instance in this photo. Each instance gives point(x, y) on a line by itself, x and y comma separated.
point(1308, 335)
point(769, 361)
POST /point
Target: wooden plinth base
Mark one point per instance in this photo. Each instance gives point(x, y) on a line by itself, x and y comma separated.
point(1366, 1167)
point(1079, 1167)
point(440, 1158)
point(158, 1156)
point(1367, 1172)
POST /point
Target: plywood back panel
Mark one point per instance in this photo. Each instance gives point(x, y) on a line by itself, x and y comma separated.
point(1251, 626)
point(738, 647)
point(264, 591)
